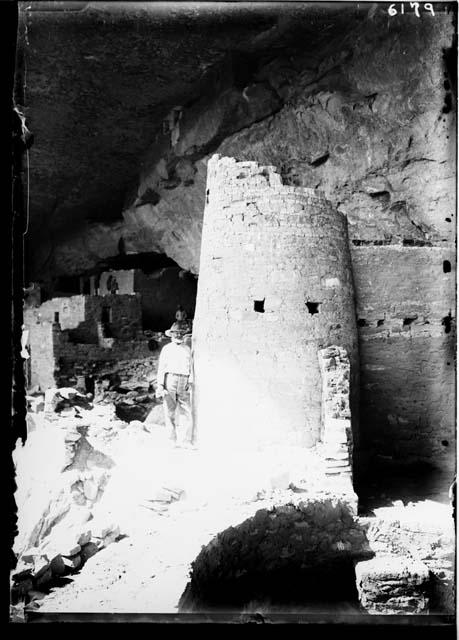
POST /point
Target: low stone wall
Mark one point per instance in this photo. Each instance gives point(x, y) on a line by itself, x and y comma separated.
point(420, 533)
point(390, 585)
point(337, 436)
point(402, 559)
point(319, 536)
point(119, 350)
point(132, 362)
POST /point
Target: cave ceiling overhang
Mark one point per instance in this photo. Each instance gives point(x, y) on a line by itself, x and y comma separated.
point(98, 84)
point(95, 81)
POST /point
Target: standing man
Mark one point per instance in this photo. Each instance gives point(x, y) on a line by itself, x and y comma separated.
point(174, 380)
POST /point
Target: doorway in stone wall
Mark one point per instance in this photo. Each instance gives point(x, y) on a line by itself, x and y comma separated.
point(106, 320)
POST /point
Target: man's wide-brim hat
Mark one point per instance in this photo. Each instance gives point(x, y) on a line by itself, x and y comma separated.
point(179, 328)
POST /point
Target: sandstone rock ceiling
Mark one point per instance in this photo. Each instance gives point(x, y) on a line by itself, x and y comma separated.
point(97, 80)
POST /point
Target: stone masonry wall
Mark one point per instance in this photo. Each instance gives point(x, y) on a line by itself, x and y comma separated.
point(317, 537)
point(80, 314)
point(71, 312)
point(125, 316)
point(120, 349)
point(95, 361)
point(336, 433)
point(74, 340)
point(42, 354)
point(161, 294)
point(370, 119)
point(124, 279)
point(405, 301)
point(275, 286)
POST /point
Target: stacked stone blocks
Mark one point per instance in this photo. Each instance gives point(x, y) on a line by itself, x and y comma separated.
point(275, 286)
point(393, 585)
point(305, 535)
point(336, 415)
point(65, 333)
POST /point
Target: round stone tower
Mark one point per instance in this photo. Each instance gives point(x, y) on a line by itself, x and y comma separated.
point(275, 286)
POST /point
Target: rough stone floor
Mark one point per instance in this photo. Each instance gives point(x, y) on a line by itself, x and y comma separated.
point(147, 569)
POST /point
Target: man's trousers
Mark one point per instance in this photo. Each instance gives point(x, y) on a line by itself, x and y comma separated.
point(177, 408)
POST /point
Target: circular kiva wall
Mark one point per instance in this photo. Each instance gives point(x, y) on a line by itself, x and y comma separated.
point(289, 556)
point(275, 285)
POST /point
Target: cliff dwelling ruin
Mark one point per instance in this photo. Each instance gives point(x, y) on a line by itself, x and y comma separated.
point(271, 189)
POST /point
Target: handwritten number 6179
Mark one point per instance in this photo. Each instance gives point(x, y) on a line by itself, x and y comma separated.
point(427, 6)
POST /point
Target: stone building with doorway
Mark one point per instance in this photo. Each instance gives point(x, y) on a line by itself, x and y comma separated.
point(68, 335)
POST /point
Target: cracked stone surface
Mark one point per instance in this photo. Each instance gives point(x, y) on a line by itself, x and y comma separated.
point(121, 71)
point(363, 114)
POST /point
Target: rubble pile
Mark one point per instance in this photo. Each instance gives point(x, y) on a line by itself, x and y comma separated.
point(65, 398)
point(57, 521)
point(129, 386)
point(250, 517)
point(64, 551)
point(80, 501)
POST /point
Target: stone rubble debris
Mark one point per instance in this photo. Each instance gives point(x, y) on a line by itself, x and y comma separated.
point(58, 532)
point(64, 522)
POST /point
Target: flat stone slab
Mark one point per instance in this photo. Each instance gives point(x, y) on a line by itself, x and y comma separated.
point(392, 568)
